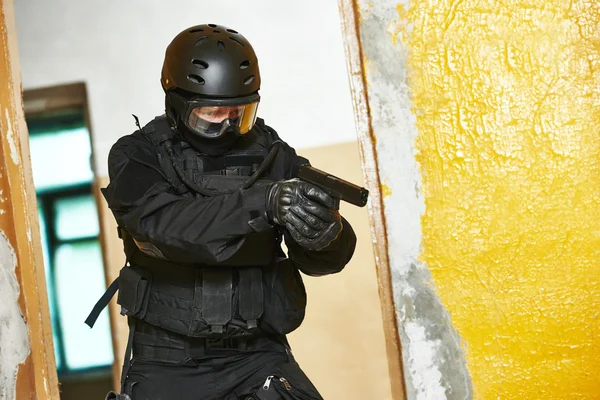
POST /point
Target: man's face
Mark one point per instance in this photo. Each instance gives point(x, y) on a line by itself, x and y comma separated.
point(212, 121)
point(218, 114)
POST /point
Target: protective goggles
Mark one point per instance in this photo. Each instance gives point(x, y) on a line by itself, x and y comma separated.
point(213, 121)
point(212, 117)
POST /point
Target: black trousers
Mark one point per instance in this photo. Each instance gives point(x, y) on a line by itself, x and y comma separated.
point(268, 373)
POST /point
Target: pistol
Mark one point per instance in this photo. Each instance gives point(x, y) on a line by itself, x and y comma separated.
point(336, 187)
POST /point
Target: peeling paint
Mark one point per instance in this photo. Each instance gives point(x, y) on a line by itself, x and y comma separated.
point(434, 361)
point(432, 343)
point(386, 191)
point(399, 27)
point(393, 29)
point(426, 375)
point(21, 268)
point(14, 152)
point(14, 338)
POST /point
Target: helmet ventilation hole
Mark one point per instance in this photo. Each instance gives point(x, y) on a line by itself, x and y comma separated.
point(221, 45)
point(197, 30)
point(216, 31)
point(196, 79)
point(212, 25)
point(249, 80)
point(244, 64)
point(199, 42)
point(231, 31)
point(200, 64)
point(237, 42)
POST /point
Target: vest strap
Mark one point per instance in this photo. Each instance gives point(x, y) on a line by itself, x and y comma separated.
point(250, 296)
point(102, 303)
point(217, 287)
point(127, 356)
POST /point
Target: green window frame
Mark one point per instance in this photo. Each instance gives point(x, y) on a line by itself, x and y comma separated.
point(61, 156)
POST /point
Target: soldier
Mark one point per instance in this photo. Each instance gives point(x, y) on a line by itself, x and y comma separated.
point(203, 197)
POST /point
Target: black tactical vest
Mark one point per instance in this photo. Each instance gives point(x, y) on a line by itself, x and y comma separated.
point(257, 290)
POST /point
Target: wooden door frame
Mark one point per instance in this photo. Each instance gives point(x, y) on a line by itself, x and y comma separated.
point(349, 15)
point(36, 376)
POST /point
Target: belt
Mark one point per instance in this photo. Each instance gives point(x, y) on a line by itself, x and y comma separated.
point(174, 348)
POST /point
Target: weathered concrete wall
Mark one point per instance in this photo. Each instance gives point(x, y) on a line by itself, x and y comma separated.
point(14, 339)
point(483, 115)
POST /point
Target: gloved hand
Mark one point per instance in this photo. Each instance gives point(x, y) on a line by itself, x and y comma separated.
point(305, 211)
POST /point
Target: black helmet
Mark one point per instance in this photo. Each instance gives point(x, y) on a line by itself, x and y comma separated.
point(211, 79)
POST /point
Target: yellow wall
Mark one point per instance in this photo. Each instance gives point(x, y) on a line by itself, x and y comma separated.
point(507, 97)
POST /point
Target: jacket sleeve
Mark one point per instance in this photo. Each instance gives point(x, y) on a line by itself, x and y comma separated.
point(330, 260)
point(185, 229)
point(333, 258)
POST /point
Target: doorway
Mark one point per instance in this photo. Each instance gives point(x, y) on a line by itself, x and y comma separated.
point(63, 173)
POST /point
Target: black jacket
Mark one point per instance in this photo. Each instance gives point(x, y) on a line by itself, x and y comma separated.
point(190, 228)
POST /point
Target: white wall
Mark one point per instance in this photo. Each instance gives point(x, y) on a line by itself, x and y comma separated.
point(117, 47)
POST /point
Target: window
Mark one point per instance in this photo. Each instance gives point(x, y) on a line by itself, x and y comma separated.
point(61, 160)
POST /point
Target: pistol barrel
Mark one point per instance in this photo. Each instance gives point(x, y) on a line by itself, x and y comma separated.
point(334, 186)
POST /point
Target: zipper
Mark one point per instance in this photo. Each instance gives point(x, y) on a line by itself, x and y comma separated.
point(285, 382)
point(267, 383)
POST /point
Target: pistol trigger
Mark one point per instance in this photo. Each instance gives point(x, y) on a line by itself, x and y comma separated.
point(336, 204)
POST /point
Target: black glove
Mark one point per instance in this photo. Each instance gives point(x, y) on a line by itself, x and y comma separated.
point(306, 211)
